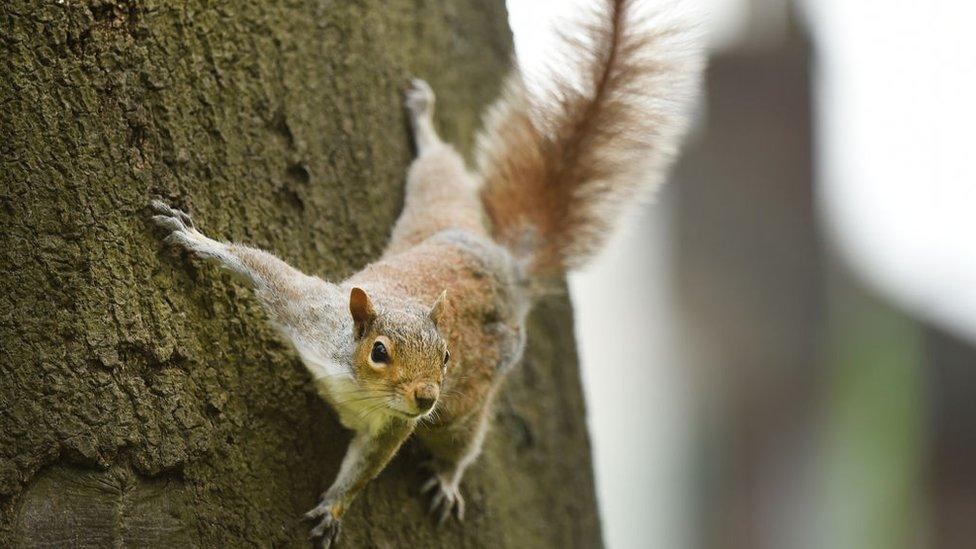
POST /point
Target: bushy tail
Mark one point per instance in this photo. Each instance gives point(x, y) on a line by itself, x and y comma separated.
point(559, 168)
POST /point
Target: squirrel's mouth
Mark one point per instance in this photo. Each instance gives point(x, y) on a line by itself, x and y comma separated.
point(400, 407)
point(408, 415)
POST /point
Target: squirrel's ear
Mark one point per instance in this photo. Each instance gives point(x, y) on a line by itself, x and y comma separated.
point(361, 309)
point(438, 309)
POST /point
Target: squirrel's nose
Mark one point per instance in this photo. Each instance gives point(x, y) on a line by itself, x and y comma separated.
point(425, 395)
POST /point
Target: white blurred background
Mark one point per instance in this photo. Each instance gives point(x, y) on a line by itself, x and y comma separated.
point(779, 352)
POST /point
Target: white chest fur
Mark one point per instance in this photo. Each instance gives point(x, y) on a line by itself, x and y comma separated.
point(358, 409)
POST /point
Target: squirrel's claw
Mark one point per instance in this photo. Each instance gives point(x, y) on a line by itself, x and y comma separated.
point(445, 499)
point(313, 514)
point(181, 218)
point(420, 97)
point(328, 528)
point(182, 232)
point(176, 221)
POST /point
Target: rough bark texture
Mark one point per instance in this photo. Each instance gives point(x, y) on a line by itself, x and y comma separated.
point(144, 400)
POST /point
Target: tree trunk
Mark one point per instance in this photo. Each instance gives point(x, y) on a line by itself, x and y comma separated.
point(143, 400)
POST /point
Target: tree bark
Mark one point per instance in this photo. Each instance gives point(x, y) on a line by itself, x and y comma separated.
point(143, 399)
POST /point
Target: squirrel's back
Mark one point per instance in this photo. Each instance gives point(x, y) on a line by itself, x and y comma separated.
point(558, 170)
point(484, 309)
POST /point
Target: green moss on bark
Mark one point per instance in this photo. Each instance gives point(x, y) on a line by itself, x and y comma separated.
point(144, 401)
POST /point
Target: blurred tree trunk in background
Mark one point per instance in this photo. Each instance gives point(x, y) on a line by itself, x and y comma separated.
point(751, 286)
point(829, 417)
point(144, 400)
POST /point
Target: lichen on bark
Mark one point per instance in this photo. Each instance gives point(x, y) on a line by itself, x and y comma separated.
point(143, 400)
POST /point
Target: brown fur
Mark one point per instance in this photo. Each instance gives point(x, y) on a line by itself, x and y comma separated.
point(556, 173)
point(478, 318)
point(558, 170)
point(440, 195)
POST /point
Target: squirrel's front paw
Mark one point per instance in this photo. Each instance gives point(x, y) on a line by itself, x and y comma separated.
point(183, 232)
point(171, 218)
point(445, 497)
point(327, 530)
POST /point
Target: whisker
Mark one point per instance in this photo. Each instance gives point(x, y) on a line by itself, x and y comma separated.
point(354, 399)
point(368, 413)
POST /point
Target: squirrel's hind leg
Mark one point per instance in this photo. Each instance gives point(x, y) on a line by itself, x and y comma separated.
point(440, 193)
point(420, 104)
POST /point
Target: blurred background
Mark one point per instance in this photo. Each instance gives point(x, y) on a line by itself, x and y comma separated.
point(781, 352)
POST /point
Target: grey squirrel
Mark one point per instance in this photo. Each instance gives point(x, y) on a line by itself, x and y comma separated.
point(420, 341)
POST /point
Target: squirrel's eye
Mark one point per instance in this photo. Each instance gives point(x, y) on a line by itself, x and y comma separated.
point(379, 353)
point(447, 356)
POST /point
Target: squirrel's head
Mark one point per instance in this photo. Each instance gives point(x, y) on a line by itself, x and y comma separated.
point(400, 357)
